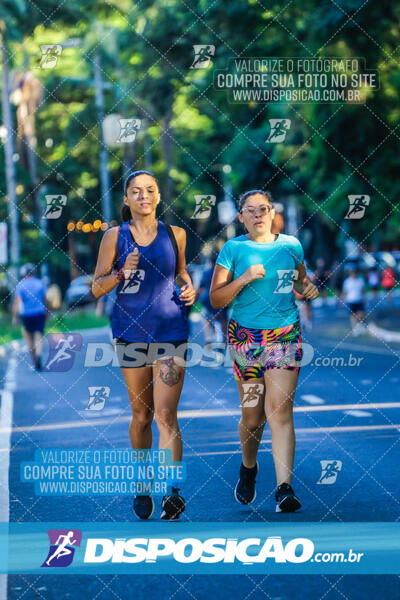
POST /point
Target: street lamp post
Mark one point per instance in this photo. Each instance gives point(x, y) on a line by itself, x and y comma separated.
point(226, 207)
point(105, 181)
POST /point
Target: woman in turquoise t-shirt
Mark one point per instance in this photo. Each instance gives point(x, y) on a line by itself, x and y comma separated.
point(257, 272)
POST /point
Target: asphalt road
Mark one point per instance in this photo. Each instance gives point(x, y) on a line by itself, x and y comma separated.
point(346, 410)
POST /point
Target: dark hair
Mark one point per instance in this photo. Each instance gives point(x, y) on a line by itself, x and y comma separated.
point(243, 197)
point(125, 210)
point(28, 269)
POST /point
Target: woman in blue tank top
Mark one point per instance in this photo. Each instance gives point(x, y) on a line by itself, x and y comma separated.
point(149, 320)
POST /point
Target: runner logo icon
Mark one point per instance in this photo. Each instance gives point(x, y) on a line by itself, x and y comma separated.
point(252, 394)
point(98, 397)
point(285, 280)
point(62, 351)
point(54, 206)
point(62, 547)
point(50, 54)
point(202, 56)
point(330, 470)
point(132, 285)
point(203, 206)
point(279, 129)
point(128, 130)
point(357, 206)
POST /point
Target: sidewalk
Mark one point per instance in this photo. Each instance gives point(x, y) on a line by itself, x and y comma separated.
point(388, 319)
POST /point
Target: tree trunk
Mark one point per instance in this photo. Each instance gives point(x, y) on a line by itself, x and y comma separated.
point(32, 167)
point(73, 269)
point(10, 170)
point(166, 195)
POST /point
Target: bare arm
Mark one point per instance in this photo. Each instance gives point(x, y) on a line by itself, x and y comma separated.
point(103, 280)
point(224, 289)
point(15, 307)
point(15, 311)
point(303, 284)
point(183, 278)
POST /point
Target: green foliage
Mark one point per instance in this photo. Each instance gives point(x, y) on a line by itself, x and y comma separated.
point(147, 50)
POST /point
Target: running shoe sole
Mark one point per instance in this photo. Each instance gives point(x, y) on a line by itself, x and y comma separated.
point(253, 498)
point(244, 503)
point(163, 516)
point(288, 504)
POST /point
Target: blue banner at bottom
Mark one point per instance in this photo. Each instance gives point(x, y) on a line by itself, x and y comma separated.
point(199, 548)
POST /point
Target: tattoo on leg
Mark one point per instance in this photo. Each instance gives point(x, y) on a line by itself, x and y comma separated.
point(169, 372)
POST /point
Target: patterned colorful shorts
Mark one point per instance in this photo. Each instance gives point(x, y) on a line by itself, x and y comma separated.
point(254, 351)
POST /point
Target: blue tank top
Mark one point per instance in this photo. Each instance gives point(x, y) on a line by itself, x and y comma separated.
point(147, 306)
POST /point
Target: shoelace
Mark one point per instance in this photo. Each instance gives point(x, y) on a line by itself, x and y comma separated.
point(284, 489)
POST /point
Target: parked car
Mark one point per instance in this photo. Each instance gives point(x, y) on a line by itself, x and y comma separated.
point(368, 261)
point(79, 291)
point(396, 256)
point(385, 259)
point(373, 260)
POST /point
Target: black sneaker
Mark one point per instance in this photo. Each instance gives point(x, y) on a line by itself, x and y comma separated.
point(245, 490)
point(143, 506)
point(38, 364)
point(173, 505)
point(286, 501)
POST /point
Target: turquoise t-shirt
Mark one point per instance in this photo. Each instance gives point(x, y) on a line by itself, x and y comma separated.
point(266, 303)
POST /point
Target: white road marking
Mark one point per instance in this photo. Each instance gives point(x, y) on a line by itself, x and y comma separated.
point(7, 400)
point(333, 343)
point(312, 399)
point(383, 334)
point(301, 430)
point(95, 414)
point(358, 413)
point(202, 414)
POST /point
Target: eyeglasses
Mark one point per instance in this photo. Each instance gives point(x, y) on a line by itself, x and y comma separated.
point(263, 210)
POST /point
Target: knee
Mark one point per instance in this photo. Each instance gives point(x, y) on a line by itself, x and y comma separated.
point(166, 417)
point(280, 414)
point(141, 418)
point(252, 422)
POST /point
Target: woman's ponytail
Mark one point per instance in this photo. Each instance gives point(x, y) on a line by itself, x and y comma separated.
point(125, 213)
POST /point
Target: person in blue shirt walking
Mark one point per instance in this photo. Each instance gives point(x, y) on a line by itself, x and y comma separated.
point(30, 306)
point(257, 272)
point(149, 318)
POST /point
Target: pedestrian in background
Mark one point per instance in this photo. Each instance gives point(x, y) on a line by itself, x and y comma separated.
point(30, 305)
point(321, 277)
point(215, 321)
point(304, 303)
point(388, 282)
point(373, 282)
point(353, 295)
